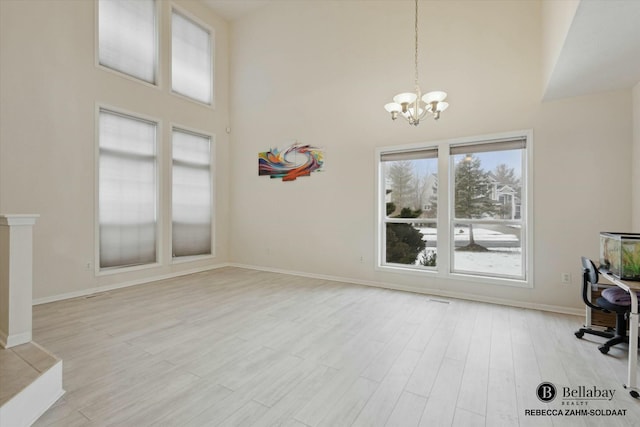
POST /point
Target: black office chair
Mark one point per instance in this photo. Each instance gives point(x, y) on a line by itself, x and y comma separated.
point(617, 336)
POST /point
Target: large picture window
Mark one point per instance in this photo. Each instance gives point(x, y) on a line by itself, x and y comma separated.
point(127, 190)
point(191, 59)
point(191, 194)
point(127, 37)
point(457, 208)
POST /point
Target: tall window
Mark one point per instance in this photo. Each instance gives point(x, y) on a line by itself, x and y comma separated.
point(127, 190)
point(488, 199)
point(128, 38)
point(191, 59)
point(191, 195)
point(411, 207)
point(479, 229)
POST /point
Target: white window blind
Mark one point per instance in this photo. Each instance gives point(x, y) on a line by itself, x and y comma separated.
point(127, 189)
point(128, 37)
point(191, 194)
point(191, 60)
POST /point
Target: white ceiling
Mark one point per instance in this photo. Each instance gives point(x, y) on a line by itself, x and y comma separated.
point(601, 51)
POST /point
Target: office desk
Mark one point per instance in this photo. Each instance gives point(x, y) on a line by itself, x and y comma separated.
point(632, 288)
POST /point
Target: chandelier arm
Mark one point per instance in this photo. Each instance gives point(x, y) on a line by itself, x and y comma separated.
point(424, 113)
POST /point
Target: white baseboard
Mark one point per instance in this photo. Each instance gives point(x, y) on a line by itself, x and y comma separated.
point(7, 341)
point(435, 292)
point(426, 291)
point(27, 406)
point(99, 289)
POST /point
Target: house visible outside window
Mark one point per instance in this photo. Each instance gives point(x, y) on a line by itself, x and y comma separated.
point(127, 37)
point(127, 190)
point(457, 209)
point(191, 194)
point(191, 59)
point(487, 229)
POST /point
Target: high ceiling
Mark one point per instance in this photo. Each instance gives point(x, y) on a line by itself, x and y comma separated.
point(601, 51)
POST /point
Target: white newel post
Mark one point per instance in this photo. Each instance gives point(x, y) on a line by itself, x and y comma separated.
point(16, 277)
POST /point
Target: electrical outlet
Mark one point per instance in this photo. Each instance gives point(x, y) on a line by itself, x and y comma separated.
point(361, 260)
point(565, 277)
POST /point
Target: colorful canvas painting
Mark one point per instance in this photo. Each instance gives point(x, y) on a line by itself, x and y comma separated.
point(296, 161)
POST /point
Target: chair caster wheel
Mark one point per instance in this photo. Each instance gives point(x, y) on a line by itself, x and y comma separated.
point(634, 394)
point(579, 334)
point(603, 349)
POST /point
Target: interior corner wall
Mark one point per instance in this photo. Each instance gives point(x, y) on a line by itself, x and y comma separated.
point(49, 91)
point(320, 72)
point(557, 17)
point(635, 160)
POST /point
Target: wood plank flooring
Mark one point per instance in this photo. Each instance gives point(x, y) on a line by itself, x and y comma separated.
point(235, 347)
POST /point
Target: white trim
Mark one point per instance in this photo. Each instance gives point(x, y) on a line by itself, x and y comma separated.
point(12, 340)
point(109, 271)
point(105, 288)
point(18, 219)
point(435, 292)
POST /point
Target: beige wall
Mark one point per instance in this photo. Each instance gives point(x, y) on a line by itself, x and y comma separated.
point(635, 179)
point(320, 73)
point(49, 89)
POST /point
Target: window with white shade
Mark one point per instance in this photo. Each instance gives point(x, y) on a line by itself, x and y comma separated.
point(191, 194)
point(127, 37)
point(127, 190)
point(191, 59)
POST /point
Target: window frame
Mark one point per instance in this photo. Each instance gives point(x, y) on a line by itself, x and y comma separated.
point(212, 37)
point(158, 194)
point(212, 158)
point(446, 217)
point(401, 155)
point(158, 52)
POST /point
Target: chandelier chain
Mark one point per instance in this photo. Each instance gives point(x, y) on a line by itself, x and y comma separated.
point(413, 107)
point(416, 51)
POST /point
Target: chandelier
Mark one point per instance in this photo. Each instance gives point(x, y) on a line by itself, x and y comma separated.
point(414, 106)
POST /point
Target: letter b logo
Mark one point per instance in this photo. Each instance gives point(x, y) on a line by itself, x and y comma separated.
point(546, 392)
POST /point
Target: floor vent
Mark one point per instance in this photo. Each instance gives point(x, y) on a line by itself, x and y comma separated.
point(96, 295)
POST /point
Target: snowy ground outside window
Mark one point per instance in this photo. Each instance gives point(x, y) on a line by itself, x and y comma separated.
point(503, 258)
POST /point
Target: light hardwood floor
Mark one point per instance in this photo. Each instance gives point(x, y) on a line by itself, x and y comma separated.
point(242, 347)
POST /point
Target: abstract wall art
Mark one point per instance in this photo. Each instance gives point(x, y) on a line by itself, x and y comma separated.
point(296, 161)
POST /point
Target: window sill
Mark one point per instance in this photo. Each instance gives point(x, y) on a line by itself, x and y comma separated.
point(127, 269)
point(464, 277)
point(191, 258)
